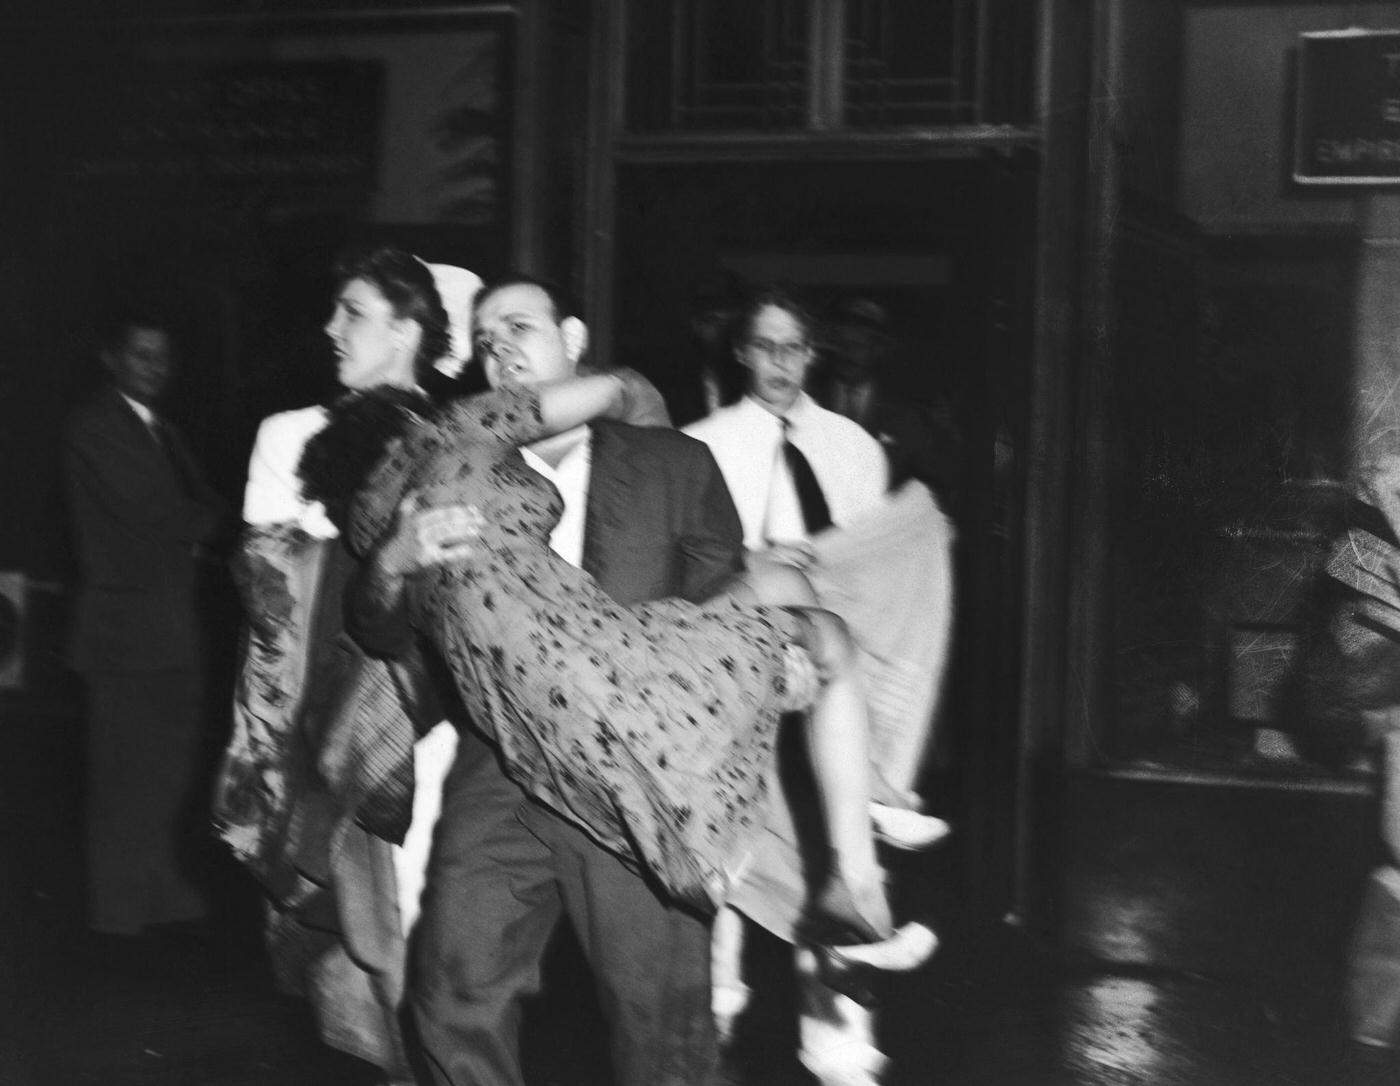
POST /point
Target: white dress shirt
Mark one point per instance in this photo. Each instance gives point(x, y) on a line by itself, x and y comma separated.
point(746, 440)
point(273, 493)
point(144, 413)
point(570, 477)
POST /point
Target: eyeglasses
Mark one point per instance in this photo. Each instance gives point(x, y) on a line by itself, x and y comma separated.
point(791, 351)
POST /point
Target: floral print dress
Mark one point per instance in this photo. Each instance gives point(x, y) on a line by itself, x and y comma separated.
point(652, 726)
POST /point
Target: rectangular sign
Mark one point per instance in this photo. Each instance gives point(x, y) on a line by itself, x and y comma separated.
point(313, 122)
point(1347, 129)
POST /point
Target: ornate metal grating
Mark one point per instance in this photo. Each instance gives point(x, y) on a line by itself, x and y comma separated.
point(910, 62)
point(720, 64)
point(865, 65)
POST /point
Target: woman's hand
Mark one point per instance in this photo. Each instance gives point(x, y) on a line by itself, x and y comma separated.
point(421, 538)
point(447, 534)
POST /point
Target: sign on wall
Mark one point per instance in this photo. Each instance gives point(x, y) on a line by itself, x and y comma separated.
point(1347, 128)
point(392, 120)
point(309, 122)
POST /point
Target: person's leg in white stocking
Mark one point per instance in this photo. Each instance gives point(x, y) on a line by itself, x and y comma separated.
point(836, 1034)
point(729, 995)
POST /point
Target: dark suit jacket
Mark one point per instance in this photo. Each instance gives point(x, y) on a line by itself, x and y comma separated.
point(138, 524)
point(660, 521)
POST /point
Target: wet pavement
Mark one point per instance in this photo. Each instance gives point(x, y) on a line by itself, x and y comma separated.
point(196, 1007)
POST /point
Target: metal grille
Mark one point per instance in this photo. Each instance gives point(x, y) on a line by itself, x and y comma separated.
point(910, 62)
point(741, 65)
point(857, 65)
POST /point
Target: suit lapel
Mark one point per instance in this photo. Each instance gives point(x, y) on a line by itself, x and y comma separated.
point(131, 424)
point(139, 437)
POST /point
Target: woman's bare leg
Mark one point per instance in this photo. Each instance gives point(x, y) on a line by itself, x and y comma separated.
point(837, 733)
point(896, 811)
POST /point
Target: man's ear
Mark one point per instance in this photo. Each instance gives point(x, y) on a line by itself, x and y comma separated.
point(575, 334)
point(108, 358)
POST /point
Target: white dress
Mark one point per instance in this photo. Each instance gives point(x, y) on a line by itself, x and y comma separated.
point(273, 496)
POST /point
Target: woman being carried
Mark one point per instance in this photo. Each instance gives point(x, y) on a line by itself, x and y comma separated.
point(652, 726)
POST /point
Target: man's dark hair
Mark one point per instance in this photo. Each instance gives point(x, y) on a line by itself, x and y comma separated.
point(863, 312)
point(561, 301)
point(117, 326)
point(778, 297)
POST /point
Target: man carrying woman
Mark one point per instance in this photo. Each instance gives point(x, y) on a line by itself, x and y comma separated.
point(653, 727)
point(655, 521)
point(646, 512)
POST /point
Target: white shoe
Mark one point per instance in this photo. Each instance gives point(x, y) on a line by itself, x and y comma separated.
point(907, 949)
point(853, 1064)
point(726, 1005)
point(909, 830)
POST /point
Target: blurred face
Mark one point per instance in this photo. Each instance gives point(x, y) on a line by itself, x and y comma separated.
point(372, 346)
point(856, 350)
point(776, 353)
point(141, 366)
point(709, 326)
point(519, 341)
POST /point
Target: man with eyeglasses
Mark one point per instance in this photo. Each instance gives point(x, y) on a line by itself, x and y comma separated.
point(762, 442)
point(794, 469)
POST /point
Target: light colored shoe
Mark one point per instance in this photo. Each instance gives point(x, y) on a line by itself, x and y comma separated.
point(852, 1064)
point(854, 970)
point(907, 949)
point(908, 830)
point(726, 1005)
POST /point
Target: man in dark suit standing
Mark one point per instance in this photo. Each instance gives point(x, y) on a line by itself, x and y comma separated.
point(142, 510)
point(648, 514)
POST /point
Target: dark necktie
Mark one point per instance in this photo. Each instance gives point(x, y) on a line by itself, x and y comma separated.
point(815, 514)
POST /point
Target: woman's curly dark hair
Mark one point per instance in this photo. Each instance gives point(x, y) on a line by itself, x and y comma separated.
point(338, 459)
